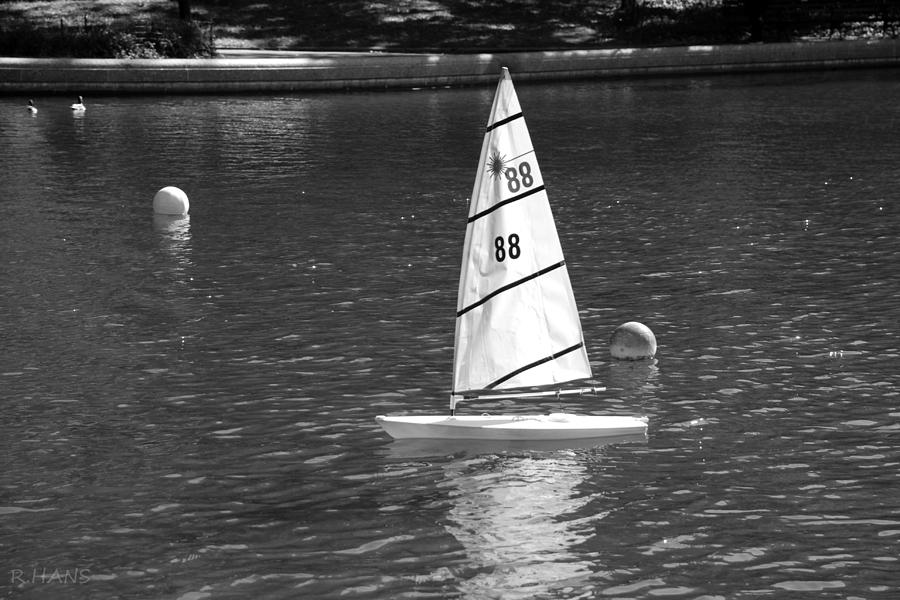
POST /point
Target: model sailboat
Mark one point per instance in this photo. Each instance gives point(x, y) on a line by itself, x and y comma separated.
point(517, 325)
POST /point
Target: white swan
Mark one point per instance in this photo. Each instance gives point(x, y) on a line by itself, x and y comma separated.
point(78, 106)
point(31, 107)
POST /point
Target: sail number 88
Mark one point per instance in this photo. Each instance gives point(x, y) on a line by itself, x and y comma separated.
point(508, 247)
point(512, 177)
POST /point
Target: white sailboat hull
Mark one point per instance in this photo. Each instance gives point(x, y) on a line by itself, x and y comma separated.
point(552, 427)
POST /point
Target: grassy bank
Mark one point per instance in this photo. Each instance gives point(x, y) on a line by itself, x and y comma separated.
point(100, 29)
point(460, 25)
point(53, 27)
point(151, 27)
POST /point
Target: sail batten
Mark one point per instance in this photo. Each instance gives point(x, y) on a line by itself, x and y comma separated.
point(535, 364)
point(502, 122)
point(510, 286)
point(488, 211)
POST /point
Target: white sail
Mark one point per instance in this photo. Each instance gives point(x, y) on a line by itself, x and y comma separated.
point(517, 323)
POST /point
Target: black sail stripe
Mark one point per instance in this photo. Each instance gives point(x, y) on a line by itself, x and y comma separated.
point(536, 363)
point(510, 286)
point(502, 122)
point(488, 211)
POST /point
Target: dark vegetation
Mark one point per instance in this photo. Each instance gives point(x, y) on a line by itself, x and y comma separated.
point(156, 38)
point(185, 28)
point(784, 20)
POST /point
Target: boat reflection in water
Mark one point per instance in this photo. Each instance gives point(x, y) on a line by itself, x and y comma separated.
point(520, 511)
point(429, 448)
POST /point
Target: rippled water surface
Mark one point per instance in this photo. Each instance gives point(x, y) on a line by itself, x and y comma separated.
point(187, 404)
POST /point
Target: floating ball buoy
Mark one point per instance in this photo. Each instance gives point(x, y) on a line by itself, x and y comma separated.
point(632, 341)
point(170, 201)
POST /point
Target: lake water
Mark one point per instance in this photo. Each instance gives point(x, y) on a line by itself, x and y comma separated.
point(187, 404)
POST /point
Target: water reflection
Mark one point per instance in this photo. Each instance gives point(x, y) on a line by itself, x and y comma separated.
point(425, 448)
point(175, 236)
point(517, 518)
point(634, 377)
point(525, 513)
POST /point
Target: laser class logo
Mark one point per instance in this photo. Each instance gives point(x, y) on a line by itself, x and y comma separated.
point(46, 576)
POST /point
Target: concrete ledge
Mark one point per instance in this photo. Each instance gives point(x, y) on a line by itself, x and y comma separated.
point(335, 71)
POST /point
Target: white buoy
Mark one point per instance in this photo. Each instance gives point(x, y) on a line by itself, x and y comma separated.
point(171, 201)
point(632, 341)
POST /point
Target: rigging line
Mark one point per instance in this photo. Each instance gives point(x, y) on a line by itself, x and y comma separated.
point(509, 286)
point(487, 211)
point(502, 122)
point(535, 364)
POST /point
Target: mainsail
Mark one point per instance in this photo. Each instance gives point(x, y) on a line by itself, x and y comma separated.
point(517, 324)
